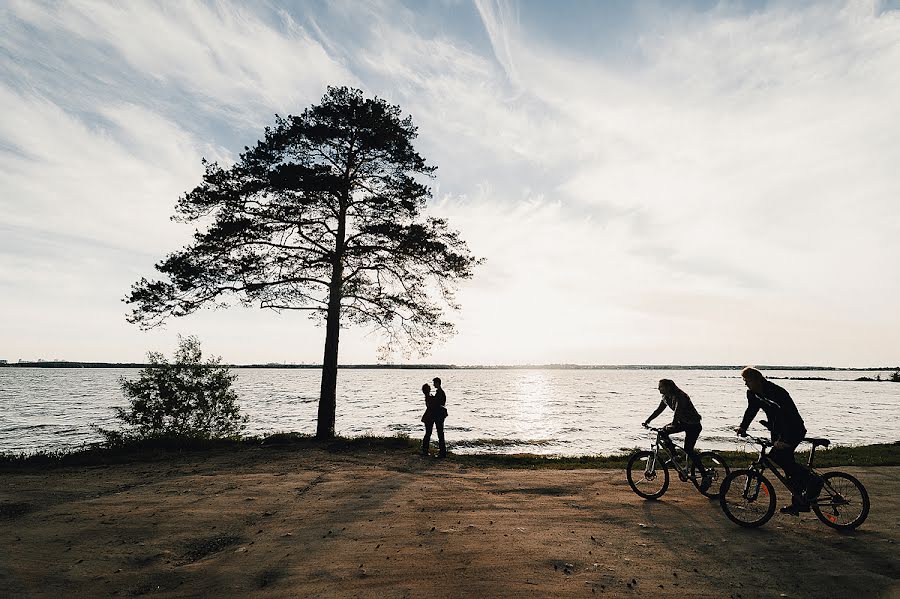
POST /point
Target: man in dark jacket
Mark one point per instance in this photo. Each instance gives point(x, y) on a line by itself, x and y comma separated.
point(788, 431)
point(440, 413)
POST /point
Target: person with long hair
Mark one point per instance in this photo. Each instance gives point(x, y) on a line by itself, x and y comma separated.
point(686, 419)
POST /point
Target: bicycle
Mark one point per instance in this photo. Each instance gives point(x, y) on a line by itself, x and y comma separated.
point(748, 498)
point(648, 476)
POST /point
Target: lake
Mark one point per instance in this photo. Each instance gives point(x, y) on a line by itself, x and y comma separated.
point(545, 411)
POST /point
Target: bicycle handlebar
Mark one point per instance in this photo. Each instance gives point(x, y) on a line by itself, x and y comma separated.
point(758, 440)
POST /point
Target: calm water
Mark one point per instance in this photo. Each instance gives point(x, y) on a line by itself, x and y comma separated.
point(568, 412)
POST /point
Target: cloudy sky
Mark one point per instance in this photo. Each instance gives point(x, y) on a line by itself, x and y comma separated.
point(650, 182)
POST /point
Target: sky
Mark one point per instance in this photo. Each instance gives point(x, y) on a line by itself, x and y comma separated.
point(649, 182)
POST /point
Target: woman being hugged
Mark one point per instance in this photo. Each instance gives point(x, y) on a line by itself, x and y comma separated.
point(686, 419)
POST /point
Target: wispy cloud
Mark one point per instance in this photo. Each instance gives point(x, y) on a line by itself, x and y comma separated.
point(501, 20)
point(222, 56)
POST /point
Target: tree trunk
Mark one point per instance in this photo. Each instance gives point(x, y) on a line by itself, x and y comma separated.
point(328, 393)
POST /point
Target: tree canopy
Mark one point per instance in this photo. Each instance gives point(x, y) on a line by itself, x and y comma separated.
point(325, 214)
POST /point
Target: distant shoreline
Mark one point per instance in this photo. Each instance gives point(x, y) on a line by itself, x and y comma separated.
point(68, 364)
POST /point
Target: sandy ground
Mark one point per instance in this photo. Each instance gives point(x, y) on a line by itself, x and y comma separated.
point(273, 522)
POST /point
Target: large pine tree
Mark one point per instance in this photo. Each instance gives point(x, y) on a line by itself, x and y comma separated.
point(324, 214)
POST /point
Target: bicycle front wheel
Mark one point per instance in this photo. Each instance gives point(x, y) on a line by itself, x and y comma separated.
point(747, 498)
point(843, 502)
point(715, 466)
point(647, 476)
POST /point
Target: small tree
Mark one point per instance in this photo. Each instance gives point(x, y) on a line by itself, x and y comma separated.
point(895, 376)
point(326, 215)
point(188, 398)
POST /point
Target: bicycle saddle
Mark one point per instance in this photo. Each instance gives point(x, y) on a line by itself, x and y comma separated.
point(815, 441)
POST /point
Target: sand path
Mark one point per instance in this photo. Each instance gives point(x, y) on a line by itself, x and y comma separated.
point(275, 522)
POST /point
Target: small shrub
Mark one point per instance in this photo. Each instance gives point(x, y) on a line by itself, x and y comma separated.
point(895, 376)
point(185, 399)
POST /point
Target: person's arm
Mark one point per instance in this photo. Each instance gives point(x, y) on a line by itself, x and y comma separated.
point(749, 413)
point(657, 412)
point(442, 397)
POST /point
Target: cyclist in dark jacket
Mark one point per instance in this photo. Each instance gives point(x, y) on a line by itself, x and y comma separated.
point(686, 419)
point(788, 431)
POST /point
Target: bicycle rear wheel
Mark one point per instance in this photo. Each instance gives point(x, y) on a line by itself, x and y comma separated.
point(747, 498)
point(843, 502)
point(715, 465)
point(647, 475)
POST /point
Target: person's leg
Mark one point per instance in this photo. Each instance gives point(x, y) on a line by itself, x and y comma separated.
point(427, 440)
point(671, 428)
point(691, 434)
point(442, 452)
point(783, 455)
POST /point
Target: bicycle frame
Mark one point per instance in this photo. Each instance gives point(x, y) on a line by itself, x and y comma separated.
point(758, 467)
point(764, 462)
point(673, 459)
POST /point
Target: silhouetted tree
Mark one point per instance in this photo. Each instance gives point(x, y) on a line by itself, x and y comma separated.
point(188, 398)
point(325, 215)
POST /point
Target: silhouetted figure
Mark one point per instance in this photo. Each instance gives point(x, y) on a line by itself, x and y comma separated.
point(787, 430)
point(434, 416)
point(686, 419)
point(441, 400)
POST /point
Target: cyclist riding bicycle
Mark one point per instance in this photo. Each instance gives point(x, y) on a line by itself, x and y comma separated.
point(686, 419)
point(787, 429)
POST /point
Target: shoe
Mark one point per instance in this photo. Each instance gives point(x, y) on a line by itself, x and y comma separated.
point(706, 482)
point(794, 509)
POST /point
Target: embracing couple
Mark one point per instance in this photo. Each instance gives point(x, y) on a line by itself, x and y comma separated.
point(435, 413)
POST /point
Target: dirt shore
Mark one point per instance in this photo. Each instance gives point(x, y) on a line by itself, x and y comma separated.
point(275, 522)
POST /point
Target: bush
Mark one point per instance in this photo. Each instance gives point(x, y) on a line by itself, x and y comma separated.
point(187, 399)
point(895, 376)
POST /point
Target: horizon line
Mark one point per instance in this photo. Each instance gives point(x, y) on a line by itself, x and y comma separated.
point(438, 366)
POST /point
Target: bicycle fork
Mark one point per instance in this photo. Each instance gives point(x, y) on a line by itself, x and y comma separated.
point(651, 465)
point(752, 486)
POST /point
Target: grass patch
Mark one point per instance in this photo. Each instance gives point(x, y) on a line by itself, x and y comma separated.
point(162, 448)
point(146, 450)
point(884, 454)
point(371, 442)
